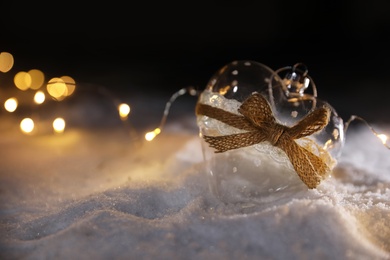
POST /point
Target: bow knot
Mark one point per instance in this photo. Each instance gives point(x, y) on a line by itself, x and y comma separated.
point(275, 133)
point(260, 125)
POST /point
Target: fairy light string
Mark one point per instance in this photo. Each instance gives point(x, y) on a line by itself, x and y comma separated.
point(382, 137)
point(149, 136)
point(56, 89)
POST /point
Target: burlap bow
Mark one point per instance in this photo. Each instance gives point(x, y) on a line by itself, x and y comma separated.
point(260, 125)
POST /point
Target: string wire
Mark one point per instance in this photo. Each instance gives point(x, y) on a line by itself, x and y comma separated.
point(193, 92)
point(187, 90)
point(382, 137)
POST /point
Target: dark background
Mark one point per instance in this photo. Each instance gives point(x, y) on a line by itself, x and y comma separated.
point(157, 48)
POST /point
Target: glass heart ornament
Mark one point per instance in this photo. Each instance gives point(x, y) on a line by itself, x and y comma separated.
point(283, 150)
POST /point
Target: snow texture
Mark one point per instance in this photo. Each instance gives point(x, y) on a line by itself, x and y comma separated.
point(105, 193)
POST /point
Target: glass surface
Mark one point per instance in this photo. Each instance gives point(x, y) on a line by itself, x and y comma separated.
point(261, 173)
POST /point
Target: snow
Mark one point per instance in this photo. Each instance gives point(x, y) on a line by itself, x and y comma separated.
point(106, 193)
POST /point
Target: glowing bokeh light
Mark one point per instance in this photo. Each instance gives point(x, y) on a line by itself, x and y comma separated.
point(152, 134)
point(27, 125)
point(383, 138)
point(22, 80)
point(59, 125)
point(11, 104)
point(6, 61)
point(124, 110)
point(70, 85)
point(37, 79)
point(39, 97)
point(56, 88)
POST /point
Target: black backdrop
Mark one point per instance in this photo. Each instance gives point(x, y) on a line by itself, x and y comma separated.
point(158, 48)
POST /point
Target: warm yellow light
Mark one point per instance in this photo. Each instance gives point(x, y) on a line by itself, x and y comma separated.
point(6, 61)
point(56, 88)
point(152, 134)
point(11, 104)
point(59, 125)
point(39, 97)
point(327, 144)
point(22, 80)
point(37, 79)
point(70, 85)
point(383, 138)
point(27, 125)
point(124, 110)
